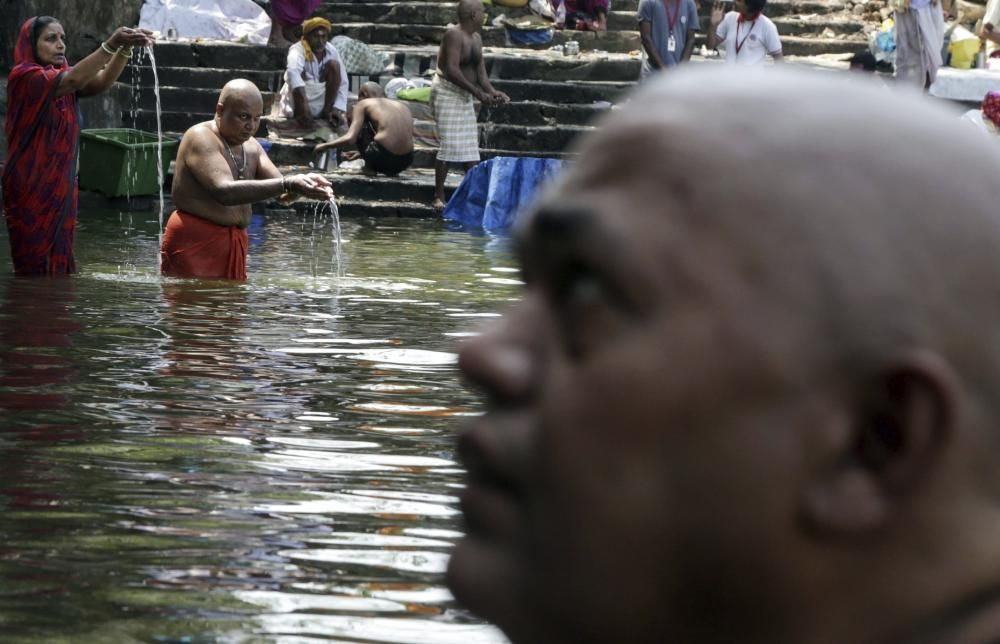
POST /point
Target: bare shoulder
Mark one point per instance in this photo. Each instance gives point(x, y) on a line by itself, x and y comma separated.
point(200, 136)
point(453, 35)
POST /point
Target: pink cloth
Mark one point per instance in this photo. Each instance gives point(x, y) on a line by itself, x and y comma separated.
point(293, 12)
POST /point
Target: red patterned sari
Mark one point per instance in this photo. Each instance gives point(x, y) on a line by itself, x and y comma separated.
point(39, 181)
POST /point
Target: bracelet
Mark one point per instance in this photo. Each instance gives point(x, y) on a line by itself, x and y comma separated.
point(125, 52)
point(284, 185)
point(108, 50)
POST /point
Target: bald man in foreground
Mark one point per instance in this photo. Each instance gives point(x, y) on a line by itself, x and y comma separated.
point(220, 171)
point(752, 391)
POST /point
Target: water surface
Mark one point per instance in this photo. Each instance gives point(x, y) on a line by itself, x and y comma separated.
point(185, 461)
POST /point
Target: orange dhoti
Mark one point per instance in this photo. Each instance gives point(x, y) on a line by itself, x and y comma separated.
point(195, 247)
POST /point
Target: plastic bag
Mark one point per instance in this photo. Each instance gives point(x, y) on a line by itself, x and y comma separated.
point(963, 48)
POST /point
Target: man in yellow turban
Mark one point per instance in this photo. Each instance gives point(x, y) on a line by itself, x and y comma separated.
point(315, 78)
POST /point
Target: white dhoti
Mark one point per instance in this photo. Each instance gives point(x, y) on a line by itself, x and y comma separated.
point(455, 115)
point(919, 40)
point(315, 96)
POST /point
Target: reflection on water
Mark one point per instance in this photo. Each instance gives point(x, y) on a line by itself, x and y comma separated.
point(268, 461)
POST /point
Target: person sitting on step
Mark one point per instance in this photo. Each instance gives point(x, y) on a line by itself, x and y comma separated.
point(316, 82)
point(382, 129)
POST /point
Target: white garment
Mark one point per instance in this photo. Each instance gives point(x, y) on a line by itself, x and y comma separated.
point(756, 39)
point(299, 70)
point(993, 17)
point(919, 40)
point(229, 20)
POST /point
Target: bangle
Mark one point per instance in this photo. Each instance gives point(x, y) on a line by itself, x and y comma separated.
point(108, 50)
point(284, 185)
point(125, 52)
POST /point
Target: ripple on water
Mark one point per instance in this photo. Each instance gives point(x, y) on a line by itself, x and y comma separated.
point(181, 474)
point(362, 502)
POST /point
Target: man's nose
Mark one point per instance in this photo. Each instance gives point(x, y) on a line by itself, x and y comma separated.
point(502, 360)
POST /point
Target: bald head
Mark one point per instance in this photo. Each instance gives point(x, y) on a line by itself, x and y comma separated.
point(370, 89)
point(468, 9)
point(758, 352)
point(241, 91)
point(830, 208)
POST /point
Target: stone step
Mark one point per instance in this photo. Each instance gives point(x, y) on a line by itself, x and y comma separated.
point(563, 93)
point(431, 13)
point(379, 209)
point(387, 34)
point(512, 139)
point(774, 7)
point(803, 25)
point(218, 55)
point(810, 46)
point(196, 100)
point(817, 46)
point(268, 80)
point(174, 123)
point(413, 60)
point(536, 113)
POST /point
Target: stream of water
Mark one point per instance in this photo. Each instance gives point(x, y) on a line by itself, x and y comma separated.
point(159, 134)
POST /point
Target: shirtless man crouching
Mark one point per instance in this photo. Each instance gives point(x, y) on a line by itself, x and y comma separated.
point(220, 171)
point(382, 129)
point(461, 78)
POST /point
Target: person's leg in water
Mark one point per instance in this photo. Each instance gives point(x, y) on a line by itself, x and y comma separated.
point(440, 174)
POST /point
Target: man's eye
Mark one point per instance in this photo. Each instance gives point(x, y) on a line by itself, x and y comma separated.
point(585, 308)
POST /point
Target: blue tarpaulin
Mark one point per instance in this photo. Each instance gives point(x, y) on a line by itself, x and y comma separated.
point(493, 192)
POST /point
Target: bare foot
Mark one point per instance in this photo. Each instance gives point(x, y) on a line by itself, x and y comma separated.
point(277, 40)
point(438, 206)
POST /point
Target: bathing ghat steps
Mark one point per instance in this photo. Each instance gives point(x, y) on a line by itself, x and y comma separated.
point(554, 98)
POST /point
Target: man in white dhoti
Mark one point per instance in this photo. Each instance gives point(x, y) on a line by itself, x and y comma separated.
point(461, 78)
point(316, 83)
point(919, 40)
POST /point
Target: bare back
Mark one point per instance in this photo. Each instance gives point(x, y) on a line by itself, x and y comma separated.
point(202, 161)
point(393, 123)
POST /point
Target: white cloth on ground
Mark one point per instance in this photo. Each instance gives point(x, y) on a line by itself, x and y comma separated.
point(919, 40)
point(455, 115)
point(300, 72)
point(228, 20)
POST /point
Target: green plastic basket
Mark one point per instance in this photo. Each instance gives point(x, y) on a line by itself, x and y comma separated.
point(121, 162)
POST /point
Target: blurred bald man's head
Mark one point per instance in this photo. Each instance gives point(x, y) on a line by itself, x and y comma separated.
point(752, 392)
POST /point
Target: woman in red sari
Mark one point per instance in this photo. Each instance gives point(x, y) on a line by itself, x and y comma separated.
point(43, 131)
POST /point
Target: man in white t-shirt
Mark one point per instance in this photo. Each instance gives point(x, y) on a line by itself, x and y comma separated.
point(316, 83)
point(747, 35)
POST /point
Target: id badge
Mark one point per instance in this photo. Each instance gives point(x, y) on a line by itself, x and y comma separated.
point(671, 43)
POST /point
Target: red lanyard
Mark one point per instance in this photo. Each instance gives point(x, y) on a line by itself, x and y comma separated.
point(739, 43)
point(677, 13)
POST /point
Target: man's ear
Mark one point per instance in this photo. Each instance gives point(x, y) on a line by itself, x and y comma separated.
point(903, 419)
point(218, 109)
